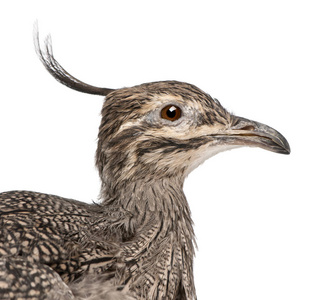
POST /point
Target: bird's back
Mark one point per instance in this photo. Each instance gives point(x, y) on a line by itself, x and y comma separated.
point(56, 234)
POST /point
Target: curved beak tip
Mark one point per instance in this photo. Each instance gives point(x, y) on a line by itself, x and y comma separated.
point(285, 146)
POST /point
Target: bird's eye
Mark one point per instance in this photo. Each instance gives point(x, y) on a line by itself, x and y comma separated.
point(171, 113)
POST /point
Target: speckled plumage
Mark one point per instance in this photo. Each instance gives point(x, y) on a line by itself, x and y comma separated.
point(138, 241)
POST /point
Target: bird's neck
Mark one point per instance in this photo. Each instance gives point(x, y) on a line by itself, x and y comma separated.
point(158, 220)
point(139, 199)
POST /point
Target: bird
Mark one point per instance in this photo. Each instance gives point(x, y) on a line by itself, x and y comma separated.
point(137, 241)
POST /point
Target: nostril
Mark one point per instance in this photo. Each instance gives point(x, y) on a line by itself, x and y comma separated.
point(248, 128)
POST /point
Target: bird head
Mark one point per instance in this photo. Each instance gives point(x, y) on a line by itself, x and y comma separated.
point(162, 129)
point(168, 128)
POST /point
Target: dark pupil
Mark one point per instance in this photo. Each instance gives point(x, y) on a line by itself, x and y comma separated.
point(171, 113)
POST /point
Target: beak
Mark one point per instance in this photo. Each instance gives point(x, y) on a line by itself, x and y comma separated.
point(245, 132)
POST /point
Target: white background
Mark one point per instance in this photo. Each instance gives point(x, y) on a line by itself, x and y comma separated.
point(259, 216)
